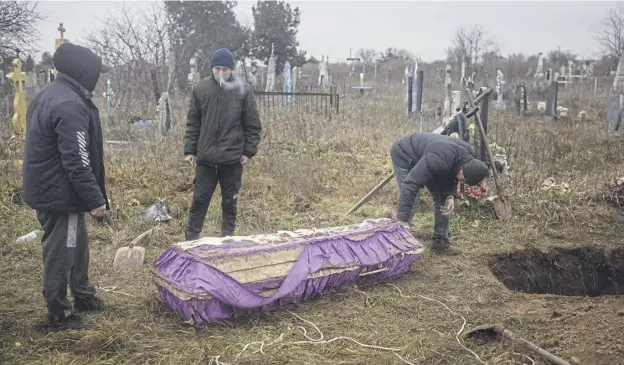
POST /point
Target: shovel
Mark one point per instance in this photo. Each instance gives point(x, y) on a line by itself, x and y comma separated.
point(131, 256)
point(496, 331)
point(370, 194)
point(502, 205)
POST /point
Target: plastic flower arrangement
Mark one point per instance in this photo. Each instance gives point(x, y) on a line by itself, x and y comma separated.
point(474, 195)
point(554, 190)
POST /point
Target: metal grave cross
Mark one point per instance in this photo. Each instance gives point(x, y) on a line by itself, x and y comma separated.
point(109, 94)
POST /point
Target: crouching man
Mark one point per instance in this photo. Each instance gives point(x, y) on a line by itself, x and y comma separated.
point(437, 162)
point(222, 135)
point(63, 178)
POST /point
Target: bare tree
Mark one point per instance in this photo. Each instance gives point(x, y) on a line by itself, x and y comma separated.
point(367, 56)
point(559, 58)
point(134, 45)
point(18, 27)
point(469, 46)
point(610, 31)
point(393, 53)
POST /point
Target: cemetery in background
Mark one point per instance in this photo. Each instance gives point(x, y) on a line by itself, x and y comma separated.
point(154, 63)
point(327, 130)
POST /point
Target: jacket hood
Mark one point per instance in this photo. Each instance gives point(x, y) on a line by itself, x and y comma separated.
point(79, 63)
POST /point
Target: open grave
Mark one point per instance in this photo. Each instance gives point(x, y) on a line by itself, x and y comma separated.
point(585, 271)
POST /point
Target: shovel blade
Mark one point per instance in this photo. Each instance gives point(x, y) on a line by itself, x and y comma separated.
point(127, 258)
point(502, 208)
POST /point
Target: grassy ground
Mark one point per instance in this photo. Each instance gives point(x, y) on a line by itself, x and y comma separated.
point(308, 173)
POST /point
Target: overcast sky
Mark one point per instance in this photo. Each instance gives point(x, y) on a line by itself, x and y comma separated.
point(424, 28)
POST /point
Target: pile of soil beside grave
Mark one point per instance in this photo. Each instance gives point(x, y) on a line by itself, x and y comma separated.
point(583, 271)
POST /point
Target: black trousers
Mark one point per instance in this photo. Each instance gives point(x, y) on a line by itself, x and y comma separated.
point(65, 260)
point(229, 177)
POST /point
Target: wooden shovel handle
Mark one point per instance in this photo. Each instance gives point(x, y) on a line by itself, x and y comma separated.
point(547, 355)
point(499, 188)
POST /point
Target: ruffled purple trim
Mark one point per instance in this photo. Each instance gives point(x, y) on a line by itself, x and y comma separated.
point(195, 277)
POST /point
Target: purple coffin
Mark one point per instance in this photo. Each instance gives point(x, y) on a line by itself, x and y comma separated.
point(212, 279)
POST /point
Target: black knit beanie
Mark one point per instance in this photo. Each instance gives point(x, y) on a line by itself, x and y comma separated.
point(222, 57)
point(474, 171)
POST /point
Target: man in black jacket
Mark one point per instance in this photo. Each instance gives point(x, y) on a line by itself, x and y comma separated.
point(63, 178)
point(437, 162)
point(222, 135)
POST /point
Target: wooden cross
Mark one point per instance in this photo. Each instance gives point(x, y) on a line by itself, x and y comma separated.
point(17, 76)
point(61, 29)
point(19, 102)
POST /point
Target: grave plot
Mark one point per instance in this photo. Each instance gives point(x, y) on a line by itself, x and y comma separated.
point(585, 271)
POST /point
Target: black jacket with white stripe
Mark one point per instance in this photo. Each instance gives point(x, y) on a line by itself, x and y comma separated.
point(63, 168)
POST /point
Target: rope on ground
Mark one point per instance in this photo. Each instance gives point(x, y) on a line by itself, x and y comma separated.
point(215, 360)
point(112, 289)
point(320, 340)
point(262, 346)
point(525, 356)
point(315, 341)
point(449, 309)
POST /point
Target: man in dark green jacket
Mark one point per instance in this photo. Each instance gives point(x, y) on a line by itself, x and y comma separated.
point(437, 162)
point(222, 135)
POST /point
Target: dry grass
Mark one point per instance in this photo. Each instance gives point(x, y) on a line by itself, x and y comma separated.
point(309, 171)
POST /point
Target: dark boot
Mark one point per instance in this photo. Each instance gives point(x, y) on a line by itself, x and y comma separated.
point(59, 322)
point(188, 236)
point(88, 304)
point(443, 246)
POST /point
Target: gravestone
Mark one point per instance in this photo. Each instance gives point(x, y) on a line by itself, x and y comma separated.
point(420, 74)
point(323, 80)
point(407, 78)
point(456, 100)
point(406, 75)
point(539, 71)
point(287, 84)
point(30, 87)
point(448, 102)
point(500, 90)
point(270, 83)
point(521, 99)
point(551, 101)
point(193, 76)
point(42, 78)
point(463, 73)
point(295, 76)
point(251, 77)
point(296, 72)
point(615, 106)
point(164, 114)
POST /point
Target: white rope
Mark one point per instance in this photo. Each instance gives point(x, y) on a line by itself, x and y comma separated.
point(449, 309)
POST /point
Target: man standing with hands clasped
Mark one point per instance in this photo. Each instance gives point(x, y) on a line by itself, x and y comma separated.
point(437, 162)
point(222, 135)
point(63, 178)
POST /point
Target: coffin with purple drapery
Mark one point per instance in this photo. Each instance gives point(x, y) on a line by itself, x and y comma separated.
point(212, 279)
